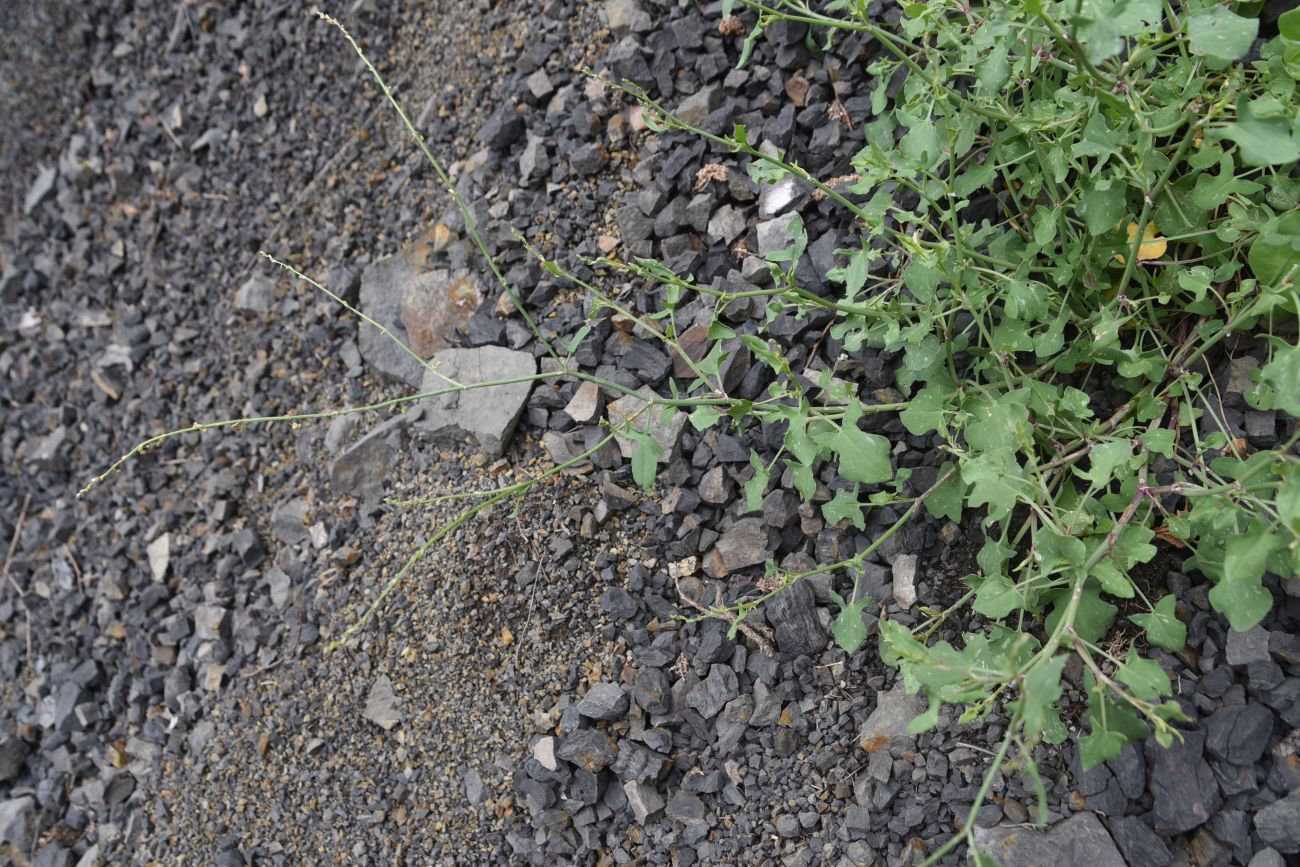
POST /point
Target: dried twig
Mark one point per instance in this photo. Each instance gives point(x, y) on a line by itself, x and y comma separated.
point(13, 546)
point(761, 635)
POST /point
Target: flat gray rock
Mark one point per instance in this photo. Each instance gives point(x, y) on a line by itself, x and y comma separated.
point(1140, 846)
point(256, 295)
point(1182, 785)
point(886, 727)
point(644, 800)
point(632, 409)
point(1278, 824)
point(422, 307)
point(626, 16)
point(381, 704)
point(485, 416)
point(1243, 648)
point(1239, 734)
point(744, 544)
point(711, 694)
point(1079, 841)
point(16, 816)
point(604, 701)
point(361, 469)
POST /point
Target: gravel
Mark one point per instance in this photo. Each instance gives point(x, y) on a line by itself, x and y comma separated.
point(558, 701)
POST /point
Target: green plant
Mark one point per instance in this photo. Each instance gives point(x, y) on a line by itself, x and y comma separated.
point(1142, 173)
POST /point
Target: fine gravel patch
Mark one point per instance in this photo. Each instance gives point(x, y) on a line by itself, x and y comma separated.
point(531, 693)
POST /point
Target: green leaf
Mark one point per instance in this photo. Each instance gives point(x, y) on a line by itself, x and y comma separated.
point(946, 500)
point(1025, 299)
point(1264, 139)
point(1239, 595)
point(727, 7)
point(1042, 688)
point(847, 628)
point(1133, 546)
point(1144, 677)
point(1288, 499)
point(1159, 440)
point(1275, 255)
point(1100, 746)
point(1056, 550)
point(1092, 618)
point(998, 421)
point(921, 279)
point(843, 505)
point(1288, 25)
point(644, 458)
point(757, 484)
point(925, 720)
point(704, 417)
point(1218, 34)
point(1113, 580)
point(1211, 191)
point(863, 457)
point(993, 556)
point(1104, 459)
point(924, 412)
point(1105, 24)
point(997, 597)
point(995, 481)
point(1113, 725)
point(1163, 628)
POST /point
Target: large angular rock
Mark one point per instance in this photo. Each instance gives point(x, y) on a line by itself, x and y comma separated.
point(422, 307)
point(485, 416)
point(711, 694)
point(744, 544)
point(695, 108)
point(1239, 734)
point(1079, 841)
point(626, 16)
point(1182, 785)
point(644, 801)
point(1278, 824)
point(793, 615)
point(886, 728)
point(362, 468)
point(16, 815)
point(604, 701)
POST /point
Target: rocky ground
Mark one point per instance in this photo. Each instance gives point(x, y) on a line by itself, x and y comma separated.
point(530, 693)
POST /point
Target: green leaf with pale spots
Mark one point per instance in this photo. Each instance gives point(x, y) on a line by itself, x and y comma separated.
point(1104, 459)
point(863, 457)
point(847, 628)
point(996, 481)
point(1144, 677)
point(843, 505)
point(997, 597)
point(924, 411)
point(946, 500)
point(1239, 595)
point(1092, 618)
point(1162, 626)
point(1220, 35)
point(1042, 687)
